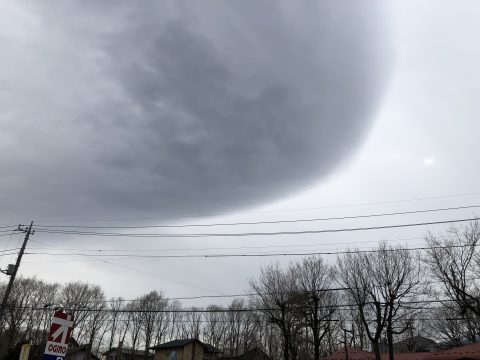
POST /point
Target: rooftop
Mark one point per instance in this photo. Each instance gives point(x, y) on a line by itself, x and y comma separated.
point(182, 342)
point(353, 354)
point(126, 351)
point(470, 352)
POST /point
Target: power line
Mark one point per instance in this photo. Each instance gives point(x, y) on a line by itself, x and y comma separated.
point(266, 222)
point(204, 296)
point(220, 309)
point(143, 272)
point(114, 257)
point(13, 249)
point(353, 251)
point(8, 230)
point(162, 277)
point(9, 227)
point(9, 253)
point(275, 233)
point(19, 241)
point(7, 245)
point(189, 321)
point(227, 248)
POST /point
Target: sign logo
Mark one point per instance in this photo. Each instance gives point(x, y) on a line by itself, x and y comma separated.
point(58, 337)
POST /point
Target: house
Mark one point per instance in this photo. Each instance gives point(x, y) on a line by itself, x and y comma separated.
point(186, 349)
point(122, 353)
point(412, 344)
point(80, 352)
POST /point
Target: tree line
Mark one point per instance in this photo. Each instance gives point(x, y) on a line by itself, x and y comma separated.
point(366, 299)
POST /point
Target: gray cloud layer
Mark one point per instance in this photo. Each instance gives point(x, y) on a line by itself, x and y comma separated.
point(179, 107)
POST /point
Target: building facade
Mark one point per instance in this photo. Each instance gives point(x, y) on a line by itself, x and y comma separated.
point(186, 349)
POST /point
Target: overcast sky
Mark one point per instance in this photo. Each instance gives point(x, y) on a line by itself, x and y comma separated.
point(115, 114)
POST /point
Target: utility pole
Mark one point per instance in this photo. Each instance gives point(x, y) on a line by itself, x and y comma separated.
point(345, 343)
point(345, 331)
point(13, 273)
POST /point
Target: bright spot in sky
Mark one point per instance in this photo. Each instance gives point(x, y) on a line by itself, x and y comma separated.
point(429, 161)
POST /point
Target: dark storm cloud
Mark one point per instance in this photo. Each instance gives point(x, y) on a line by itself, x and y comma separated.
point(180, 107)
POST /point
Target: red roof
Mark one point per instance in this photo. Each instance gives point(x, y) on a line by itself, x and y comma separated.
point(470, 352)
point(465, 352)
point(357, 354)
point(407, 356)
point(353, 354)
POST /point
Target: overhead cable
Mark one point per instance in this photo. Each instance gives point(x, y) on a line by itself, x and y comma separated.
point(274, 233)
point(353, 251)
point(263, 222)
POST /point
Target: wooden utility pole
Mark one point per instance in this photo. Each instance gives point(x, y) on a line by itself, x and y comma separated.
point(28, 231)
point(345, 343)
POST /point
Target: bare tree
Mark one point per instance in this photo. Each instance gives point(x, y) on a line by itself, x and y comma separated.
point(116, 316)
point(273, 297)
point(235, 318)
point(175, 319)
point(316, 304)
point(97, 315)
point(135, 324)
point(454, 260)
point(451, 330)
point(163, 323)
point(192, 323)
point(357, 330)
point(78, 298)
point(151, 305)
point(215, 326)
point(378, 283)
point(251, 326)
point(125, 325)
point(271, 337)
point(47, 295)
point(23, 316)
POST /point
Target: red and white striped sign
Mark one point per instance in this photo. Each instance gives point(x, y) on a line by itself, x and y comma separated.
point(59, 335)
